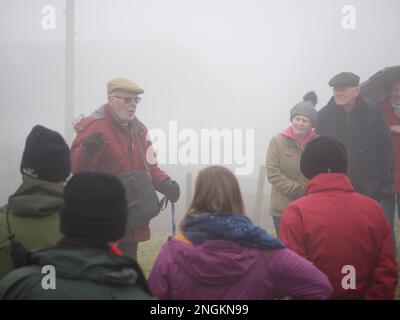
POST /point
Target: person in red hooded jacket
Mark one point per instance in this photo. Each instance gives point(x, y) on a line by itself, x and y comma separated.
point(113, 140)
point(391, 110)
point(344, 233)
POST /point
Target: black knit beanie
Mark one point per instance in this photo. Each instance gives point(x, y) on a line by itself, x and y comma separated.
point(46, 155)
point(323, 155)
point(94, 208)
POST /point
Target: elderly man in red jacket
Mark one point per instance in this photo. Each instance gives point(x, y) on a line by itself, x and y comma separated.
point(113, 140)
point(344, 233)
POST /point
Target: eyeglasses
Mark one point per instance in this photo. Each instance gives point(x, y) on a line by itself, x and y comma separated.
point(129, 99)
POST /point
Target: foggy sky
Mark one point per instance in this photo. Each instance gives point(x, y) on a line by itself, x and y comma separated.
point(206, 64)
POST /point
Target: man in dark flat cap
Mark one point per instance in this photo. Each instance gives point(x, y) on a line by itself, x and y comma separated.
point(361, 127)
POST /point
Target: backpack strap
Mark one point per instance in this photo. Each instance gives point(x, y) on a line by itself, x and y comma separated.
point(19, 255)
point(136, 128)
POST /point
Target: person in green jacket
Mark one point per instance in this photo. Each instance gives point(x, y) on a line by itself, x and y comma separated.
point(31, 216)
point(85, 264)
point(283, 157)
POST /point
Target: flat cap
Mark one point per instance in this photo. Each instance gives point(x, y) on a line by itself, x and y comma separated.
point(345, 79)
point(123, 85)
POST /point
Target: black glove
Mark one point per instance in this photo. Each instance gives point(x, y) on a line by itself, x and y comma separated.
point(93, 143)
point(171, 190)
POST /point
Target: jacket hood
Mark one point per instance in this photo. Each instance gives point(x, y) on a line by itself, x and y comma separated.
point(288, 132)
point(90, 264)
point(328, 182)
point(36, 198)
point(214, 262)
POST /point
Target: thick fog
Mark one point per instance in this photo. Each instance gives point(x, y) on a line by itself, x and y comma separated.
point(236, 65)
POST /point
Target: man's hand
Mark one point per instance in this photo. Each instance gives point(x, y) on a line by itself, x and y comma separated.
point(170, 189)
point(93, 143)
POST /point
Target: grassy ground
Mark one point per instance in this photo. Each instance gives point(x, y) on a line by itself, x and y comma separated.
point(149, 250)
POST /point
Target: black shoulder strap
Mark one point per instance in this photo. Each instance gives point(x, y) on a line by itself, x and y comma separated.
point(141, 147)
point(10, 234)
point(164, 201)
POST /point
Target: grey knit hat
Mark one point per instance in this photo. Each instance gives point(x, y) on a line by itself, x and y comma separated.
point(306, 108)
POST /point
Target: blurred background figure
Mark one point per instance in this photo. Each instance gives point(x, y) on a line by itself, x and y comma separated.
point(391, 109)
point(361, 127)
point(221, 254)
point(283, 157)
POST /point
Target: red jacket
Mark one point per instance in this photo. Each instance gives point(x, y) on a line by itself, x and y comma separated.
point(118, 153)
point(333, 226)
point(393, 120)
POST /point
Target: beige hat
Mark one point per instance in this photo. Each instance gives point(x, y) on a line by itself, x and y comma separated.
point(123, 85)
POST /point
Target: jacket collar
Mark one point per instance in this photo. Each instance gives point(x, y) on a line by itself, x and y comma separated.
point(110, 115)
point(105, 112)
point(296, 141)
point(329, 182)
point(358, 105)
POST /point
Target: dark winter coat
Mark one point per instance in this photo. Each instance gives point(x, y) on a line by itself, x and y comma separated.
point(80, 274)
point(364, 133)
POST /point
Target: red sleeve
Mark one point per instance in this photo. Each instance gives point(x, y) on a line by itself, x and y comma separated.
point(290, 231)
point(81, 160)
point(383, 281)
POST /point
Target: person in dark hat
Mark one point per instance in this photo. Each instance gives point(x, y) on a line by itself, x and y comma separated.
point(325, 155)
point(283, 156)
point(360, 126)
point(30, 218)
point(344, 80)
point(113, 140)
point(86, 264)
point(344, 233)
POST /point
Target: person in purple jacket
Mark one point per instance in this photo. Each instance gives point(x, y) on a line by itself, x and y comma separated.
point(221, 255)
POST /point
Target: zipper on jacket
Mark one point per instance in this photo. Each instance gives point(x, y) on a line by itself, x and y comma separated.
point(130, 149)
point(349, 142)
